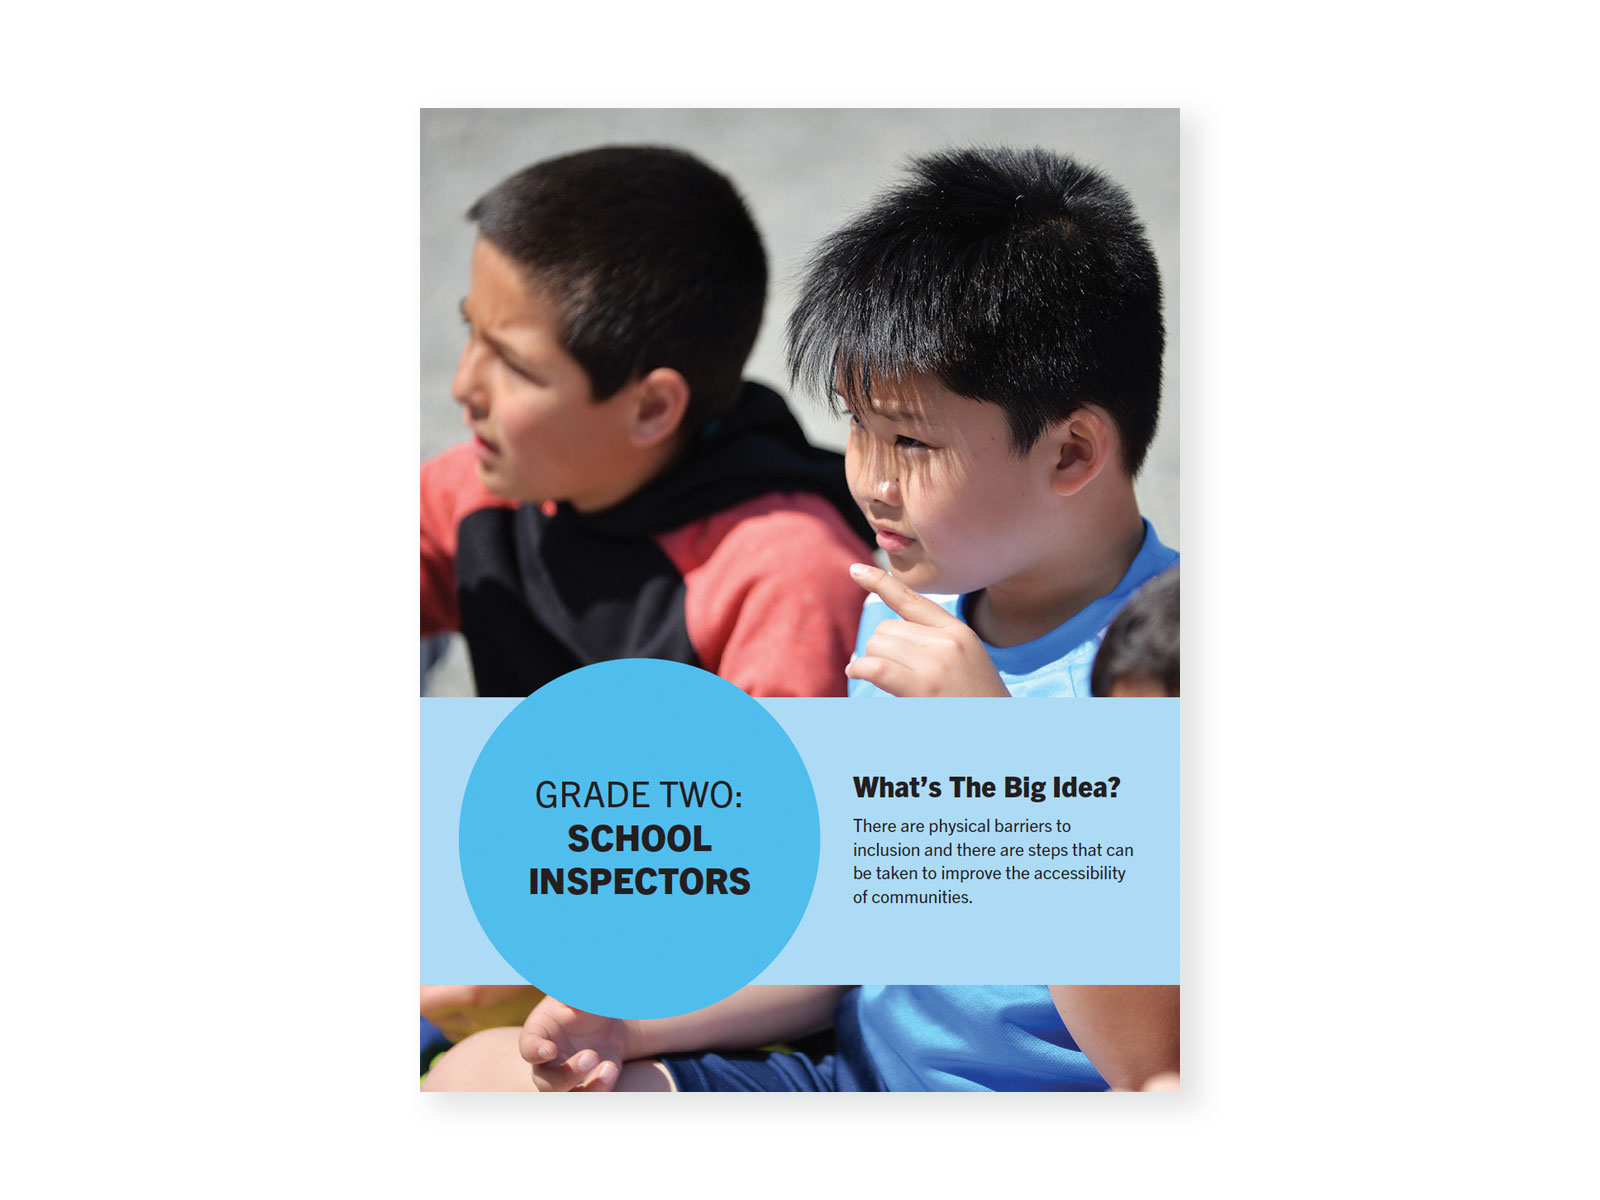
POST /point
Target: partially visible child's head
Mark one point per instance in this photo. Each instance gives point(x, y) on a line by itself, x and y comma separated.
point(1139, 656)
point(993, 325)
point(622, 272)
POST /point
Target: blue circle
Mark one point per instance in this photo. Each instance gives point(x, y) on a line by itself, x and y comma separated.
point(698, 845)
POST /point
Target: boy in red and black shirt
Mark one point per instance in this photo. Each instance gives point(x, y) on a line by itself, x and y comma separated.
point(625, 493)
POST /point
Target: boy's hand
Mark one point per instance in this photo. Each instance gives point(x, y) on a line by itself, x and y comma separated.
point(926, 653)
point(571, 1050)
point(462, 1009)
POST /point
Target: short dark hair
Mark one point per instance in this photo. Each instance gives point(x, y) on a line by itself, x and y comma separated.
point(1017, 277)
point(1142, 639)
point(651, 258)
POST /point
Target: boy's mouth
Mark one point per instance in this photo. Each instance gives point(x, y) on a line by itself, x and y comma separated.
point(891, 541)
point(484, 447)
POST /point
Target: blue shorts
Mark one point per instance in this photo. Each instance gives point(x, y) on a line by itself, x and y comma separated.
point(847, 1069)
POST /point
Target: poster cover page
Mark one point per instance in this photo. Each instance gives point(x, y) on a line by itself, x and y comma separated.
point(799, 600)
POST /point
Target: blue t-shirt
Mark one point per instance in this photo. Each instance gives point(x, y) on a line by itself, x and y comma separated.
point(996, 1037)
point(1057, 664)
point(993, 1038)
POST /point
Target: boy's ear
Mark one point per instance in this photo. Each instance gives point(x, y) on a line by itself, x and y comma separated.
point(1084, 444)
point(660, 399)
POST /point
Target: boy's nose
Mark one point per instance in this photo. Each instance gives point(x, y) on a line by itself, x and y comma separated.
point(873, 475)
point(466, 388)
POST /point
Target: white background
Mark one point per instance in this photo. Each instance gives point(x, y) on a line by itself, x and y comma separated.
point(211, 762)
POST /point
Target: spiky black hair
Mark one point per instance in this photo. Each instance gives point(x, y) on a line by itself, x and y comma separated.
point(1016, 277)
point(651, 258)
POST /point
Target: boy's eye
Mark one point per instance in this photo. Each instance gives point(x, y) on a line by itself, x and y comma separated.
point(910, 443)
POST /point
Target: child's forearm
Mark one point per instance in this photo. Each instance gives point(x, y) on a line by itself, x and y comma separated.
point(752, 1016)
point(1129, 1033)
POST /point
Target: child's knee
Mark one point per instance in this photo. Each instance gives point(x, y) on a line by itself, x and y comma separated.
point(485, 1062)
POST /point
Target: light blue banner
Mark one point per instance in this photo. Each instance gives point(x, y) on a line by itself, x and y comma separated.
point(1094, 808)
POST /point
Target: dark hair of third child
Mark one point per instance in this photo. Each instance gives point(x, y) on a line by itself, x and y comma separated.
point(1017, 277)
point(651, 258)
point(1141, 643)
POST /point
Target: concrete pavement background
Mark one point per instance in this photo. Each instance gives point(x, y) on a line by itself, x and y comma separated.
point(802, 172)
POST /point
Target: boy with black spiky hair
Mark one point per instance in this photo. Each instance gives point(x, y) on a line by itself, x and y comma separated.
point(993, 326)
point(625, 494)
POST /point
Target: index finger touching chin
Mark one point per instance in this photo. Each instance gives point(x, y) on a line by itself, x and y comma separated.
point(905, 603)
